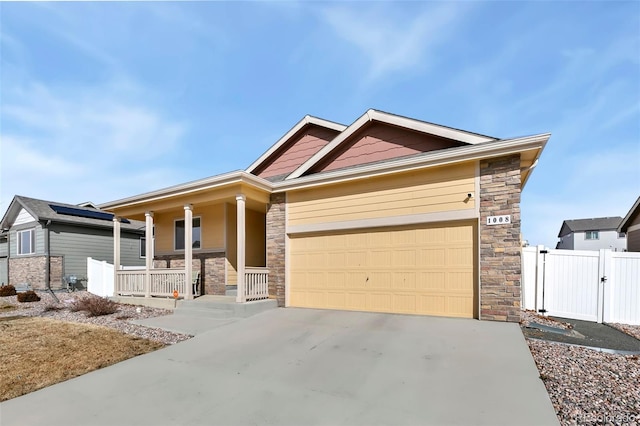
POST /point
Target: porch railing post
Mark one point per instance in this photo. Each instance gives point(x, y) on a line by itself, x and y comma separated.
point(116, 253)
point(188, 249)
point(148, 216)
point(240, 259)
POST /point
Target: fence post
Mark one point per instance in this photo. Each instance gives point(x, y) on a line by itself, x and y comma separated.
point(605, 280)
point(539, 278)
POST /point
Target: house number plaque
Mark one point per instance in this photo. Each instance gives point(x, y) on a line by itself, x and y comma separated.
point(499, 220)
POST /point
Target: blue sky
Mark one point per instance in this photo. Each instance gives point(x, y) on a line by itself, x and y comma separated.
point(101, 101)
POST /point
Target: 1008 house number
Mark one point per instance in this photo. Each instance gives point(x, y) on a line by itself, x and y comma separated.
point(499, 220)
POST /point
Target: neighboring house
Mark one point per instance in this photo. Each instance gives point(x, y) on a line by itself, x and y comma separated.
point(388, 214)
point(592, 234)
point(46, 241)
point(630, 226)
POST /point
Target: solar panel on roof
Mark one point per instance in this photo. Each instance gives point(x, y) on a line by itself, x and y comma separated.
point(90, 214)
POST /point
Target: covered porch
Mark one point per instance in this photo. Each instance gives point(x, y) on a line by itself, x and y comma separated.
point(199, 242)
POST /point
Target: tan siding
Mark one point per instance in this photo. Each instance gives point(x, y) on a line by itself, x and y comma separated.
point(211, 223)
point(232, 249)
point(256, 239)
point(633, 241)
point(436, 190)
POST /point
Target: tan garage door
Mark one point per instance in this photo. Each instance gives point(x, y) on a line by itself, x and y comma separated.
point(426, 270)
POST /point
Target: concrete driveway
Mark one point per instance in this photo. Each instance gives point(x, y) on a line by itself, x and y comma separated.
point(310, 367)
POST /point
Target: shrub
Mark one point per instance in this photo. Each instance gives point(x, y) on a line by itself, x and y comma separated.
point(7, 290)
point(28, 296)
point(95, 306)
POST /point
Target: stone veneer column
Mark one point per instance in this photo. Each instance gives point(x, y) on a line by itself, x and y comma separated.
point(500, 246)
point(276, 246)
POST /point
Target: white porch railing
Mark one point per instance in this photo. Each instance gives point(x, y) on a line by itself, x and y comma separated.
point(130, 283)
point(163, 282)
point(256, 283)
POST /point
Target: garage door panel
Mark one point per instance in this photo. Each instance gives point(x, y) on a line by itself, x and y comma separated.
point(425, 269)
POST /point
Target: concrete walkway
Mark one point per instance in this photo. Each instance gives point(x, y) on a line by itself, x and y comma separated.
point(310, 367)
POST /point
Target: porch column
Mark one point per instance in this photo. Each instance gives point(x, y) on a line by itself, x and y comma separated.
point(148, 235)
point(116, 253)
point(188, 249)
point(240, 259)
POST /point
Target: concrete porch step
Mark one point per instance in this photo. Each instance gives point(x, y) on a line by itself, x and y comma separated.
point(222, 307)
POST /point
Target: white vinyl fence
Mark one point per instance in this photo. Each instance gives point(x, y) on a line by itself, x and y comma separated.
point(599, 286)
point(100, 277)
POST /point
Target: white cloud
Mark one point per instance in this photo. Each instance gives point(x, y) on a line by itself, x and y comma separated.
point(74, 144)
point(392, 43)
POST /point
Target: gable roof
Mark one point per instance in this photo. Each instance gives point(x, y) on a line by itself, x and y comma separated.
point(592, 224)
point(630, 217)
point(41, 210)
point(306, 120)
point(396, 120)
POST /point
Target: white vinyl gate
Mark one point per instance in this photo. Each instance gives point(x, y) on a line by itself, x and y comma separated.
point(599, 286)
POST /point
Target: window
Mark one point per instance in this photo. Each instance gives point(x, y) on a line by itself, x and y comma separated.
point(591, 235)
point(179, 234)
point(143, 247)
point(143, 243)
point(27, 241)
point(621, 234)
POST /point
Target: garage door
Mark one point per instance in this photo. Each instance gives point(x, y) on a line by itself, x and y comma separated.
point(425, 270)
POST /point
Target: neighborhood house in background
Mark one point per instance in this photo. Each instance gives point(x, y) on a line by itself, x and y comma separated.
point(43, 243)
point(387, 214)
point(592, 234)
point(631, 226)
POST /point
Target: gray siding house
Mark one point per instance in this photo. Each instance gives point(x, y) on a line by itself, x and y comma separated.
point(4, 250)
point(592, 234)
point(45, 241)
point(630, 225)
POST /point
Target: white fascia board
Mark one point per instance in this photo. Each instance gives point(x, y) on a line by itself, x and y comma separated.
point(438, 158)
point(12, 213)
point(230, 178)
point(430, 128)
point(307, 119)
point(396, 120)
point(627, 218)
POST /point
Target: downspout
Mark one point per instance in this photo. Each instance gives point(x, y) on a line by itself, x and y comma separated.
point(47, 248)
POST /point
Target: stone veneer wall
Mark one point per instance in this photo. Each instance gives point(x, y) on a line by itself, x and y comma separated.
point(32, 270)
point(211, 266)
point(276, 246)
point(500, 245)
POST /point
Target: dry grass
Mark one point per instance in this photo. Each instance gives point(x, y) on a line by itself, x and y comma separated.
point(38, 352)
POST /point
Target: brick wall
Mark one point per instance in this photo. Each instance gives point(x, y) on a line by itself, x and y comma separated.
point(56, 272)
point(210, 265)
point(500, 267)
point(29, 270)
point(276, 247)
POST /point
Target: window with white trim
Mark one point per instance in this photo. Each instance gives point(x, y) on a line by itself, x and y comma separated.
point(27, 241)
point(196, 234)
point(591, 235)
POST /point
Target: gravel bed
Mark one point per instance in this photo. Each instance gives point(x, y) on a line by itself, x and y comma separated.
point(527, 317)
point(587, 386)
point(119, 320)
point(631, 330)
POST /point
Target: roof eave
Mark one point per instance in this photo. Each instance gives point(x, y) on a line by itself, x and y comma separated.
point(396, 120)
point(230, 178)
point(623, 225)
point(448, 156)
